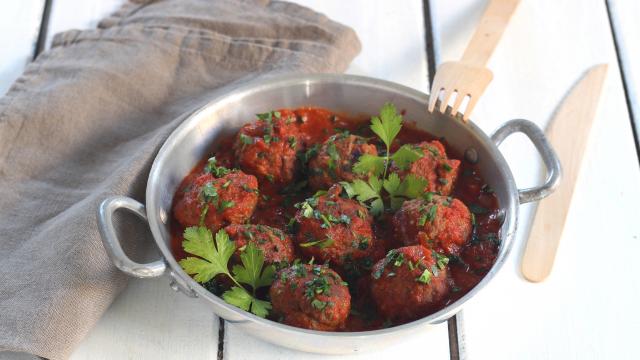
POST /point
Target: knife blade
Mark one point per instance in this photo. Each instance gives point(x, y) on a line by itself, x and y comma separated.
point(568, 132)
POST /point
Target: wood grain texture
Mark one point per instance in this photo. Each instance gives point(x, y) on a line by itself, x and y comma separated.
point(151, 321)
point(586, 308)
point(490, 29)
point(469, 77)
point(19, 26)
point(568, 133)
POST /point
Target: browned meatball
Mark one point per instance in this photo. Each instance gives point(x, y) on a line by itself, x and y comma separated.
point(335, 160)
point(276, 246)
point(215, 202)
point(267, 148)
point(311, 297)
point(442, 224)
point(434, 166)
point(334, 228)
point(409, 283)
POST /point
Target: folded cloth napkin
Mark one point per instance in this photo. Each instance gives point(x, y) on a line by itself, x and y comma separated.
point(85, 121)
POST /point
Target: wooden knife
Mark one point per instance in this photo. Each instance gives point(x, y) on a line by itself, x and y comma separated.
point(568, 132)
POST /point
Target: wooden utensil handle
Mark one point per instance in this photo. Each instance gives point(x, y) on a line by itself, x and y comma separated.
point(489, 31)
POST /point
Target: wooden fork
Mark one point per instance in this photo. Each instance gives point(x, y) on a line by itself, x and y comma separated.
point(469, 76)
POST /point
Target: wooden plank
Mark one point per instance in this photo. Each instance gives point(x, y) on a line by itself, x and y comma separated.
point(585, 309)
point(393, 48)
point(151, 321)
point(239, 346)
point(626, 29)
point(19, 26)
point(392, 37)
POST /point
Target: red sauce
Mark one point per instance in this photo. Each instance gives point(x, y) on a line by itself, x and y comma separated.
point(275, 208)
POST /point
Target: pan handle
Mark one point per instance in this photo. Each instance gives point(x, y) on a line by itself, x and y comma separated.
point(112, 244)
point(549, 157)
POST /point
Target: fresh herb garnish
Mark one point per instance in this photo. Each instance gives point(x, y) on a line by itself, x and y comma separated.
point(246, 140)
point(386, 126)
point(292, 142)
point(406, 155)
point(410, 188)
point(425, 277)
point(318, 304)
point(213, 168)
point(368, 163)
point(224, 204)
point(441, 260)
point(212, 259)
point(319, 243)
point(367, 193)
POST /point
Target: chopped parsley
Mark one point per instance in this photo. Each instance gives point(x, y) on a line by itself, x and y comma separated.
point(428, 215)
point(425, 277)
point(318, 304)
point(246, 140)
point(292, 142)
point(213, 168)
point(319, 243)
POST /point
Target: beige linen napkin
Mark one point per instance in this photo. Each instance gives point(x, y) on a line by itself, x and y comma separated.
point(85, 121)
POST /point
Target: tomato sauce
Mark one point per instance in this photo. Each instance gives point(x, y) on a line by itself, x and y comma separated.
point(276, 207)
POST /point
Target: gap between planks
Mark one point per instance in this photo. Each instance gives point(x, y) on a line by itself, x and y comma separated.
point(44, 28)
point(452, 323)
point(625, 87)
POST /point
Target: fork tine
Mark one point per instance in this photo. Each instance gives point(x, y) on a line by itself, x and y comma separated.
point(472, 103)
point(433, 96)
point(445, 100)
point(457, 103)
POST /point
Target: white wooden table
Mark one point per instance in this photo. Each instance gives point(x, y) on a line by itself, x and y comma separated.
point(587, 309)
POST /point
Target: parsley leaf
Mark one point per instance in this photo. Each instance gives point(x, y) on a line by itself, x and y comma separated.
point(366, 191)
point(213, 259)
point(404, 156)
point(239, 297)
point(387, 126)
point(251, 271)
point(411, 187)
point(369, 164)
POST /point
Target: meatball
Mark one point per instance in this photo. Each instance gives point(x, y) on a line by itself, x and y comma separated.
point(311, 297)
point(409, 283)
point(217, 201)
point(267, 148)
point(440, 223)
point(435, 167)
point(335, 229)
point(335, 159)
point(276, 246)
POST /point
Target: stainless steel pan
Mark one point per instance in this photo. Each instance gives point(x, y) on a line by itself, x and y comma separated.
point(192, 140)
